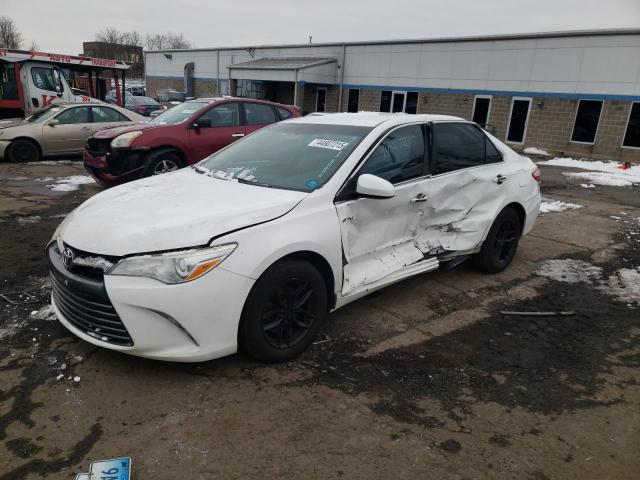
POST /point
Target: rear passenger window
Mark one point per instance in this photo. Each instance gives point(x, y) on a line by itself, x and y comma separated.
point(258, 114)
point(224, 115)
point(107, 115)
point(461, 145)
point(284, 113)
point(399, 157)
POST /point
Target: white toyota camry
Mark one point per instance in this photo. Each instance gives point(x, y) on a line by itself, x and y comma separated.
point(255, 245)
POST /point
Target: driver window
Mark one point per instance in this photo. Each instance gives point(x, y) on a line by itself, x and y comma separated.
point(74, 115)
point(399, 157)
point(225, 115)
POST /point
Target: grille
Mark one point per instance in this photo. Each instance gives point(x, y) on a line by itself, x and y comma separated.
point(97, 146)
point(84, 303)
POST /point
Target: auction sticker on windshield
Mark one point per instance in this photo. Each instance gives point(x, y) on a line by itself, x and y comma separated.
point(114, 469)
point(331, 144)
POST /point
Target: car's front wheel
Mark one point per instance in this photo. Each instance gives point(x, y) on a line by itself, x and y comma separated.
point(501, 243)
point(23, 150)
point(284, 311)
point(162, 161)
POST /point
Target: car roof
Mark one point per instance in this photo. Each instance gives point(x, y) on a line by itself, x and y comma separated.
point(370, 119)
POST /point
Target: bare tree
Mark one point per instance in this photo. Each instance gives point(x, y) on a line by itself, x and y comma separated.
point(33, 46)
point(166, 41)
point(10, 37)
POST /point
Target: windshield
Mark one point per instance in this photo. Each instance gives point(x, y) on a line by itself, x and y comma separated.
point(179, 113)
point(44, 115)
point(294, 156)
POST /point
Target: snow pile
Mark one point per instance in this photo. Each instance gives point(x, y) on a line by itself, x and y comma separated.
point(69, 184)
point(587, 185)
point(535, 151)
point(624, 285)
point(600, 172)
point(57, 162)
point(557, 206)
point(44, 313)
point(569, 271)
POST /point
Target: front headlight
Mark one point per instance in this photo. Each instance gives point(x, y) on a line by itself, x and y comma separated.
point(125, 140)
point(175, 267)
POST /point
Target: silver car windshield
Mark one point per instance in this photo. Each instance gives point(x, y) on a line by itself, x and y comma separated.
point(44, 115)
point(292, 156)
point(179, 113)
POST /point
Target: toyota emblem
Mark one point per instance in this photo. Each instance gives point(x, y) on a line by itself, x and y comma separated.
point(67, 257)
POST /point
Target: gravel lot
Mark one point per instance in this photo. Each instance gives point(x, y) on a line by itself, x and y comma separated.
point(425, 379)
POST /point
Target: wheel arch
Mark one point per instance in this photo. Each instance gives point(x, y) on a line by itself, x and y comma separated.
point(519, 209)
point(168, 148)
point(28, 139)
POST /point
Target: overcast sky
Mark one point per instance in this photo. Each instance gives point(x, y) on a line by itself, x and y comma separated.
point(62, 26)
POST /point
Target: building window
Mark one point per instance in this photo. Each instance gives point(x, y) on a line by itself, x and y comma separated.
point(412, 103)
point(587, 118)
point(397, 102)
point(321, 99)
point(354, 100)
point(632, 134)
point(481, 108)
point(518, 120)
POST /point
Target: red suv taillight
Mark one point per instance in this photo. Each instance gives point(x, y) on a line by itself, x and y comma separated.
point(537, 175)
point(139, 108)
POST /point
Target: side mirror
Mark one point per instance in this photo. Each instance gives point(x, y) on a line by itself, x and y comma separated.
point(201, 123)
point(374, 187)
point(53, 122)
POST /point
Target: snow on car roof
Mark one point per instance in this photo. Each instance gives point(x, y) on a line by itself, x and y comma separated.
point(370, 119)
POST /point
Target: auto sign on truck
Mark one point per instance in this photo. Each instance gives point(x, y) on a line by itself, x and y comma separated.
point(30, 81)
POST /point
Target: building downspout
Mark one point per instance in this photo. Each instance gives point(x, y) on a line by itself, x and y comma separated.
point(295, 89)
point(218, 72)
point(344, 57)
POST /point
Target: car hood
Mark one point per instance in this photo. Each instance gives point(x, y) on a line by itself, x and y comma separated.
point(172, 211)
point(113, 132)
point(15, 122)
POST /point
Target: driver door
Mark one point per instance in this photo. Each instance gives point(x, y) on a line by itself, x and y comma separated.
point(378, 234)
point(225, 129)
point(71, 131)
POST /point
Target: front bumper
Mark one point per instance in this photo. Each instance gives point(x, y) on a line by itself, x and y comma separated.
point(100, 168)
point(189, 322)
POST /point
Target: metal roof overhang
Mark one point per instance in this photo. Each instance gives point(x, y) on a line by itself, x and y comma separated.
point(277, 69)
point(74, 62)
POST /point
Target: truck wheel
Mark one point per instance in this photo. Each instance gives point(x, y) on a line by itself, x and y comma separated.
point(23, 150)
point(162, 161)
point(284, 311)
point(501, 243)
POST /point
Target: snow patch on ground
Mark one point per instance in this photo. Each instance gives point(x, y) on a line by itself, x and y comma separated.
point(548, 206)
point(587, 185)
point(569, 271)
point(600, 172)
point(57, 162)
point(29, 220)
point(44, 313)
point(602, 178)
point(624, 285)
point(69, 184)
point(535, 151)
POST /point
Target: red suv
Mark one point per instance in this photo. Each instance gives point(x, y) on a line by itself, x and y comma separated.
point(180, 136)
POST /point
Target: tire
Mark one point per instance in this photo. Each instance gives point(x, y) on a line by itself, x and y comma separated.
point(283, 312)
point(501, 243)
point(23, 150)
point(162, 161)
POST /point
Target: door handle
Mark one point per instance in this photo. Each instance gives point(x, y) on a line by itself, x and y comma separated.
point(500, 179)
point(237, 135)
point(421, 197)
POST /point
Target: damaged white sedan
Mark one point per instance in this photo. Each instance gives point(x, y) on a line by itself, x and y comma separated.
point(255, 245)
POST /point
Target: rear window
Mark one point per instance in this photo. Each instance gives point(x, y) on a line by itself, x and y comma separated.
point(284, 113)
point(292, 156)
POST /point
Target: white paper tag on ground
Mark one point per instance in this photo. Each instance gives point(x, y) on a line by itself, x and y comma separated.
point(330, 144)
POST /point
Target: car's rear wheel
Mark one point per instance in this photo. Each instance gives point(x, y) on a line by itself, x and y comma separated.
point(284, 311)
point(501, 243)
point(23, 150)
point(162, 161)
